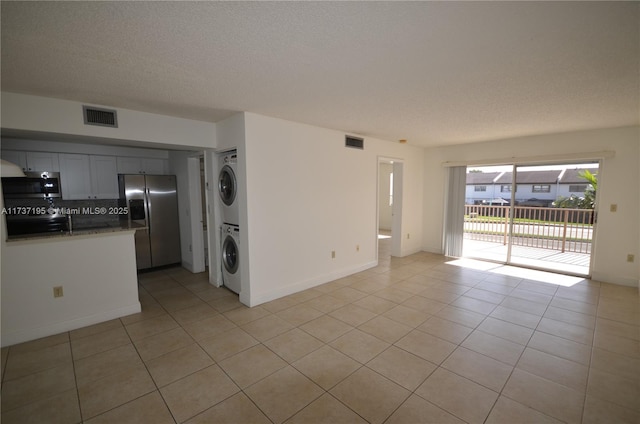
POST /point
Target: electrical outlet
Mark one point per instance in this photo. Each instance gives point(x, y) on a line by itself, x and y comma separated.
point(357, 247)
point(613, 207)
point(333, 254)
point(57, 291)
point(631, 258)
point(408, 236)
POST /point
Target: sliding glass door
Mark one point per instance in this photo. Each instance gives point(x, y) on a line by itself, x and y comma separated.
point(487, 213)
point(538, 216)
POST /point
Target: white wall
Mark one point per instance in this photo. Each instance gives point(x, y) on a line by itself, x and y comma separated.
point(98, 275)
point(617, 234)
point(47, 115)
point(309, 195)
point(384, 208)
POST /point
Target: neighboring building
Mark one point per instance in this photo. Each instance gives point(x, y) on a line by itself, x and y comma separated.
point(481, 187)
point(572, 183)
point(533, 188)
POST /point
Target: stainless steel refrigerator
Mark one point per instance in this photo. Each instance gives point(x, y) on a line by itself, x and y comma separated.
point(152, 201)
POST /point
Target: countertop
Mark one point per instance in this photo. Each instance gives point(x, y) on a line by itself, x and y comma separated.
point(103, 229)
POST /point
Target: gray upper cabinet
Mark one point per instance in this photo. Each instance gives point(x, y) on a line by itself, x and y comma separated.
point(88, 177)
point(104, 177)
point(134, 165)
point(16, 157)
point(75, 177)
point(33, 161)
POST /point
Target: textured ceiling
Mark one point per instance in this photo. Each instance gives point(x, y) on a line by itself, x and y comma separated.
point(434, 73)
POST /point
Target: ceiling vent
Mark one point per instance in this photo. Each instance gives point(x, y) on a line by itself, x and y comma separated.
point(354, 142)
point(100, 117)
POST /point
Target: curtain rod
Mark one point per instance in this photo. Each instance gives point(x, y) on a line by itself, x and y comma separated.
point(535, 160)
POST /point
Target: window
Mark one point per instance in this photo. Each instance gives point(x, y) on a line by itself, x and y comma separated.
point(577, 188)
point(480, 188)
point(541, 188)
point(505, 188)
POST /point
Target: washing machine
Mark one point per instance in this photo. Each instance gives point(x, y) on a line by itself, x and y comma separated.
point(228, 187)
point(230, 251)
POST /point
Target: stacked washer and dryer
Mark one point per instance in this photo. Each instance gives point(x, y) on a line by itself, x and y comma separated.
point(230, 229)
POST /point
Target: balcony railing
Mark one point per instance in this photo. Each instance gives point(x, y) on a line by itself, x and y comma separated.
point(564, 230)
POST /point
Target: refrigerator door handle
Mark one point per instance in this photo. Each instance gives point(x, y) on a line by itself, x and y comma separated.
point(147, 210)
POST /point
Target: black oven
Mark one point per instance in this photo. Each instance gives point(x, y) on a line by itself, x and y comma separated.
point(35, 185)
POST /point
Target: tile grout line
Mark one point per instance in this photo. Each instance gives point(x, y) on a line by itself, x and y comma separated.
point(143, 363)
point(458, 346)
point(188, 375)
point(586, 389)
point(240, 389)
point(438, 366)
point(516, 365)
point(75, 378)
point(148, 372)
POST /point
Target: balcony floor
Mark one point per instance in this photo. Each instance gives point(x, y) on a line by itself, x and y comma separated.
point(554, 260)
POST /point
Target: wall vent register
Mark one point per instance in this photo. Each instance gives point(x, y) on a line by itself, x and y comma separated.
point(101, 117)
point(354, 142)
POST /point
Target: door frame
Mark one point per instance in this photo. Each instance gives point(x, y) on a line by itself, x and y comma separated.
point(195, 214)
point(396, 208)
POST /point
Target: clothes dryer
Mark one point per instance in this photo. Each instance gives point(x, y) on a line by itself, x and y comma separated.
point(228, 187)
point(230, 252)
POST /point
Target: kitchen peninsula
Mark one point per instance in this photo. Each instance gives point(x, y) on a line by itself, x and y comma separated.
point(96, 269)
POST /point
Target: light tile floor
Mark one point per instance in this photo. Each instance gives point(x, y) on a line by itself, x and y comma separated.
point(416, 339)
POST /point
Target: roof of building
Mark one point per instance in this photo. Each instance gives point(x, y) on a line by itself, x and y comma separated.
point(482, 177)
point(571, 176)
point(531, 177)
point(568, 176)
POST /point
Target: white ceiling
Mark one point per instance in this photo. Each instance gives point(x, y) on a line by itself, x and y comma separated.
point(434, 73)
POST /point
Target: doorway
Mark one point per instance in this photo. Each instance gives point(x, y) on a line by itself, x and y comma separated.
point(390, 174)
point(535, 216)
point(197, 220)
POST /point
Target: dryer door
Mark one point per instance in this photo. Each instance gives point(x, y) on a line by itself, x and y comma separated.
point(227, 186)
point(230, 254)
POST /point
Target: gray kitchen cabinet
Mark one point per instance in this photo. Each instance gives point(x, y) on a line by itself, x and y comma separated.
point(16, 157)
point(75, 176)
point(33, 161)
point(135, 165)
point(88, 177)
point(104, 177)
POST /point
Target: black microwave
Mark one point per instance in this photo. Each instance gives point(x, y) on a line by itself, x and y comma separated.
point(40, 185)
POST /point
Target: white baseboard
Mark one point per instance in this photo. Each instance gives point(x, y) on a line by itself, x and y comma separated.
point(622, 281)
point(410, 252)
point(307, 284)
point(433, 249)
point(28, 334)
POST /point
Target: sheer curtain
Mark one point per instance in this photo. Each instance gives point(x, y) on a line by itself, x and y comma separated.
point(454, 212)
